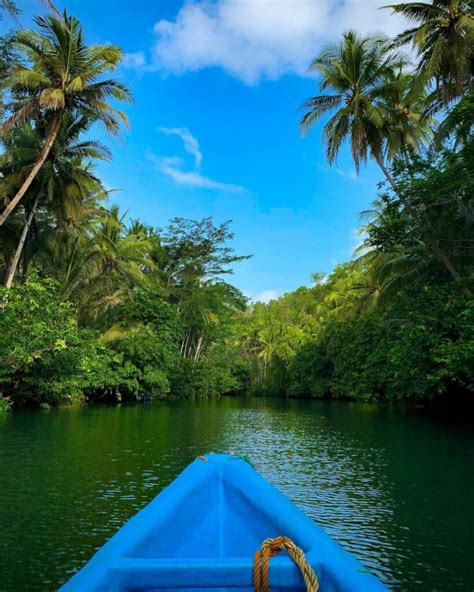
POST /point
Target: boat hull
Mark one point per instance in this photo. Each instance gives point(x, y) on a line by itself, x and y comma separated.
point(201, 532)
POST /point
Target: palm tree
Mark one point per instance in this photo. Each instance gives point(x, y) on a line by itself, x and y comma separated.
point(444, 39)
point(66, 184)
point(61, 74)
point(70, 258)
point(72, 189)
point(10, 7)
point(458, 125)
point(354, 70)
point(99, 264)
point(119, 263)
point(377, 110)
point(407, 126)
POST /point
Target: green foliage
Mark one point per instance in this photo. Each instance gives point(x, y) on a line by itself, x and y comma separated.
point(390, 326)
point(47, 357)
point(454, 361)
point(398, 356)
point(147, 342)
point(311, 371)
point(421, 347)
point(40, 343)
point(220, 372)
point(443, 37)
point(103, 307)
point(5, 405)
point(145, 335)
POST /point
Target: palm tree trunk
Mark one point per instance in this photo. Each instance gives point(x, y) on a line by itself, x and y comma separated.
point(16, 258)
point(198, 349)
point(433, 244)
point(185, 344)
point(56, 125)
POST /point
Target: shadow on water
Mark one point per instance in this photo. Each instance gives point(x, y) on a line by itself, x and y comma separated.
point(395, 488)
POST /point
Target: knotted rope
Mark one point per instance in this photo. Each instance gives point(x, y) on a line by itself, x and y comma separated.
point(270, 548)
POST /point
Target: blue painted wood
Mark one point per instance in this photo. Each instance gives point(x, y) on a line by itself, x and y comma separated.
point(201, 532)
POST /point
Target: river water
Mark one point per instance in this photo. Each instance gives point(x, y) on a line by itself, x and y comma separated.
point(394, 488)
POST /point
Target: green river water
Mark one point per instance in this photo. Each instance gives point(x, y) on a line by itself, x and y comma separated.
point(394, 488)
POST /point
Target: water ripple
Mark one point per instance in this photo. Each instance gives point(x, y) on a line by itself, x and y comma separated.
point(395, 490)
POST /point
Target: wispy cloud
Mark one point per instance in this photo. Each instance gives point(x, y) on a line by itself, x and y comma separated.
point(348, 174)
point(252, 41)
point(174, 166)
point(345, 173)
point(191, 145)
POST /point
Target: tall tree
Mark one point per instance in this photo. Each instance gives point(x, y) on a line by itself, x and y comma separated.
point(195, 253)
point(60, 74)
point(444, 39)
point(376, 110)
point(120, 258)
point(66, 184)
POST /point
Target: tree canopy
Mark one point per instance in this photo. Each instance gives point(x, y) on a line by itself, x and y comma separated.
point(98, 305)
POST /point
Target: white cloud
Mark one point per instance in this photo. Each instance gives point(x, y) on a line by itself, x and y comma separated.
point(135, 60)
point(254, 39)
point(173, 166)
point(265, 296)
point(191, 145)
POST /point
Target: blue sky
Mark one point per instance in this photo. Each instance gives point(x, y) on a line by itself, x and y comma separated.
point(214, 126)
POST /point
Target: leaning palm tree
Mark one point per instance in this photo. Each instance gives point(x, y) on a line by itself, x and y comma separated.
point(444, 39)
point(72, 189)
point(61, 73)
point(66, 184)
point(376, 110)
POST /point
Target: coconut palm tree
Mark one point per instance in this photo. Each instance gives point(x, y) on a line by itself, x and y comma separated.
point(61, 74)
point(10, 7)
point(66, 184)
point(407, 125)
point(444, 39)
point(70, 257)
point(119, 264)
point(99, 264)
point(72, 189)
point(354, 70)
point(375, 110)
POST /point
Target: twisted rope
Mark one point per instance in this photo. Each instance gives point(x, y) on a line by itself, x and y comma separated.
point(270, 548)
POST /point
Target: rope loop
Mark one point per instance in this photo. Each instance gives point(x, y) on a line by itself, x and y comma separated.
point(270, 548)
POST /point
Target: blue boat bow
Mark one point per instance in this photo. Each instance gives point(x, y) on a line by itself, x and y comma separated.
point(201, 533)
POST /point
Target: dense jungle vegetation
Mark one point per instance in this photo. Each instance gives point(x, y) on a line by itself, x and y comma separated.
point(95, 305)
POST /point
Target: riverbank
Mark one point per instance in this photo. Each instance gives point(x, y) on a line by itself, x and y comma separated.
point(451, 405)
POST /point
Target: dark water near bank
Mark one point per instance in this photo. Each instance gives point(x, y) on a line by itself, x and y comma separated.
point(396, 489)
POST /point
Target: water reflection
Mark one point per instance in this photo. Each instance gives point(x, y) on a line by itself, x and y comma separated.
point(394, 489)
